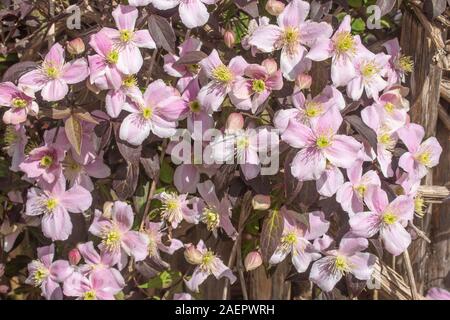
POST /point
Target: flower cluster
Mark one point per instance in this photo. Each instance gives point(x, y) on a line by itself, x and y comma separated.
point(85, 165)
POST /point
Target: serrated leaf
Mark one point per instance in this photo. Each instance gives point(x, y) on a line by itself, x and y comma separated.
point(162, 32)
point(74, 133)
point(271, 234)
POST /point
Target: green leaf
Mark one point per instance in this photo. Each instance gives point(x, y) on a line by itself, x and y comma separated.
point(166, 173)
point(163, 280)
point(271, 234)
point(358, 25)
point(355, 3)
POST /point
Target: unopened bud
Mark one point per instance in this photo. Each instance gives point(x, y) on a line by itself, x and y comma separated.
point(275, 7)
point(261, 202)
point(229, 38)
point(74, 256)
point(192, 255)
point(303, 81)
point(75, 46)
point(270, 65)
point(252, 261)
point(235, 122)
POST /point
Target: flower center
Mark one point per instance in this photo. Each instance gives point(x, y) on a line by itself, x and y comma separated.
point(52, 72)
point(419, 205)
point(40, 275)
point(361, 189)
point(147, 113)
point(344, 43)
point(289, 239)
point(129, 81)
point(389, 107)
point(111, 239)
point(89, 295)
point(258, 86)
point(222, 74)
point(341, 264)
point(323, 142)
point(113, 57)
point(19, 103)
point(369, 69)
point(211, 218)
point(51, 204)
point(46, 161)
point(313, 109)
point(126, 35)
point(242, 143)
point(389, 218)
point(195, 106)
point(290, 39)
point(207, 260)
point(406, 64)
point(424, 158)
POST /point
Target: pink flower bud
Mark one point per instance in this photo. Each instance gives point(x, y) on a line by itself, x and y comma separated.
point(303, 81)
point(4, 289)
point(252, 261)
point(229, 38)
point(192, 255)
point(75, 46)
point(74, 256)
point(261, 202)
point(235, 122)
point(270, 65)
point(275, 7)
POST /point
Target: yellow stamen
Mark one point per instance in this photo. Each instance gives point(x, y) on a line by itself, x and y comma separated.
point(361, 189)
point(419, 206)
point(211, 218)
point(289, 239)
point(424, 158)
point(111, 239)
point(258, 86)
point(341, 264)
point(19, 103)
point(313, 109)
point(90, 295)
point(52, 72)
point(242, 143)
point(51, 204)
point(129, 81)
point(147, 112)
point(406, 64)
point(389, 218)
point(40, 275)
point(195, 106)
point(369, 69)
point(222, 74)
point(290, 39)
point(113, 57)
point(323, 142)
point(344, 43)
point(46, 161)
point(389, 107)
point(126, 35)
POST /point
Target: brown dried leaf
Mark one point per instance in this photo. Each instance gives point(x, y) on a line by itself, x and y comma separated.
point(74, 133)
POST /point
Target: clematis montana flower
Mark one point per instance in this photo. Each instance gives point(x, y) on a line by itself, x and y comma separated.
point(399, 64)
point(54, 75)
point(330, 181)
point(260, 80)
point(348, 258)
point(117, 99)
point(186, 73)
point(343, 47)
point(389, 219)
point(127, 41)
point(291, 35)
point(420, 156)
point(214, 213)
point(296, 238)
point(222, 78)
point(438, 294)
point(95, 286)
point(54, 204)
point(43, 163)
point(207, 263)
point(175, 208)
point(20, 103)
point(103, 65)
point(252, 26)
point(193, 13)
point(320, 144)
point(117, 237)
point(46, 274)
point(351, 194)
point(157, 111)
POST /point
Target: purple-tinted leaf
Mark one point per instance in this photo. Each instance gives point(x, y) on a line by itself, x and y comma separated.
point(74, 133)
point(319, 9)
point(368, 134)
point(354, 285)
point(162, 32)
point(248, 6)
point(192, 57)
point(271, 232)
point(386, 6)
point(434, 8)
point(130, 153)
point(125, 184)
point(150, 162)
point(17, 70)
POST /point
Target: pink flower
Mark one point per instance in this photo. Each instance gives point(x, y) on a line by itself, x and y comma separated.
point(46, 274)
point(291, 35)
point(156, 111)
point(343, 47)
point(214, 213)
point(207, 263)
point(54, 75)
point(127, 40)
point(369, 72)
point(330, 181)
point(95, 263)
point(175, 208)
point(117, 99)
point(20, 103)
point(222, 78)
point(43, 163)
point(16, 140)
point(438, 294)
point(95, 286)
point(389, 219)
point(186, 73)
point(154, 232)
point(296, 239)
point(399, 65)
point(351, 194)
point(117, 237)
point(193, 13)
point(103, 65)
point(319, 144)
point(251, 92)
point(348, 258)
point(420, 156)
point(252, 26)
point(55, 203)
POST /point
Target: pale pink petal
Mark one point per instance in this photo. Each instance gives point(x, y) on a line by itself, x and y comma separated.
point(308, 164)
point(193, 13)
point(125, 17)
point(395, 238)
point(75, 71)
point(293, 14)
point(134, 129)
point(76, 199)
point(143, 39)
point(54, 90)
